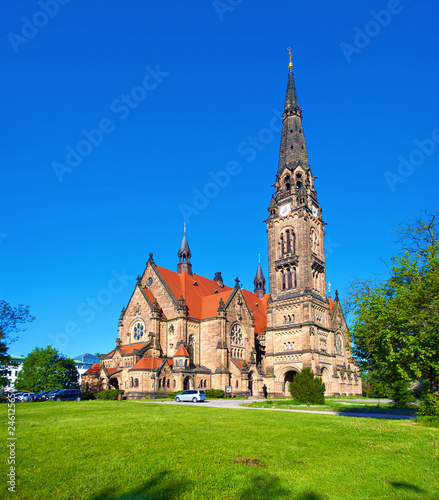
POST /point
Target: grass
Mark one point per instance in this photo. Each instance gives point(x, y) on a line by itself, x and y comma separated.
point(335, 406)
point(114, 450)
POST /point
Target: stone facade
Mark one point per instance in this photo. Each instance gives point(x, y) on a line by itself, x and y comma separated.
point(181, 330)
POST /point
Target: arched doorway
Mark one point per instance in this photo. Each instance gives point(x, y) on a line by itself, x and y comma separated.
point(326, 379)
point(188, 383)
point(114, 383)
point(288, 377)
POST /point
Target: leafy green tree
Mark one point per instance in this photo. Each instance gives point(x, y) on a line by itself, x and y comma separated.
point(395, 328)
point(307, 388)
point(47, 369)
point(10, 319)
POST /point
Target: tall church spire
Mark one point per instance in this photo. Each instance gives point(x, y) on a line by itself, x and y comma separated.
point(259, 281)
point(292, 144)
point(184, 256)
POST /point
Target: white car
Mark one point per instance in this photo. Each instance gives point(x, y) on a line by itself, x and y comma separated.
point(191, 395)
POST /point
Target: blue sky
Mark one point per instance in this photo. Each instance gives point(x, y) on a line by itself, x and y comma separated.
point(161, 98)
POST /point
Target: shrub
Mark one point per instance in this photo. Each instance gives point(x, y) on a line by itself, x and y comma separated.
point(429, 406)
point(172, 394)
point(87, 395)
point(306, 388)
point(111, 394)
point(428, 421)
point(214, 393)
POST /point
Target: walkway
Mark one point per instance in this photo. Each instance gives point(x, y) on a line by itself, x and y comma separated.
point(236, 404)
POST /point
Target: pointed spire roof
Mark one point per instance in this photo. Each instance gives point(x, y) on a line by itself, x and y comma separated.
point(184, 247)
point(292, 145)
point(259, 274)
point(182, 352)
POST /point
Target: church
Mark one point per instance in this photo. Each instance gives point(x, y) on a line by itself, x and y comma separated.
point(182, 331)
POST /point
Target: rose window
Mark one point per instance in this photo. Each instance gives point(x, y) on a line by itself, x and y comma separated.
point(236, 335)
point(138, 331)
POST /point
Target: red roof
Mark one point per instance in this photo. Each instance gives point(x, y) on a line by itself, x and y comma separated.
point(202, 296)
point(331, 304)
point(238, 363)
point(181, 351)
point(127, 349)
point(149, 363)
point(110, 371)
point(93, 370)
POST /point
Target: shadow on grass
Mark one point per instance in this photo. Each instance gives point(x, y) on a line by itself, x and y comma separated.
point(407, 487)
point(268, 487)
point(159, 486)
point(374, 410)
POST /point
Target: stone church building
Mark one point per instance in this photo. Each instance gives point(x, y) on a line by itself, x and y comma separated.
point(181, 330)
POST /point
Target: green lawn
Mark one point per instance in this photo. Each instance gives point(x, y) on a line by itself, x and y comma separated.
point(123, 450)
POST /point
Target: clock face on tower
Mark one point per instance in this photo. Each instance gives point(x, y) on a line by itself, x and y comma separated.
point(284, 210)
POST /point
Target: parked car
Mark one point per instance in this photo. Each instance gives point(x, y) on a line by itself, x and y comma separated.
point(68, 395)
point(191, 395)
point(39, 396)
point(28, 397)
point(50, 395)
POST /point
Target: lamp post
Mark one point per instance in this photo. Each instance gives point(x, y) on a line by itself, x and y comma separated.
point(153, 388)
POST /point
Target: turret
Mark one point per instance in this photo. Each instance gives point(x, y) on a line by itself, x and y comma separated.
point(259, 282)
point(184, 256)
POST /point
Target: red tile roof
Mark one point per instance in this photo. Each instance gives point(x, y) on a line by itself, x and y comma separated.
point(181, 351)
point(149, 363)
point(238, 363)
point(331, 304)
point(127, 349)
point(202, 296)
point(111, 370)
point(93, 370)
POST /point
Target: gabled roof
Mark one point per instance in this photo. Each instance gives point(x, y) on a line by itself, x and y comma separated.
point(93, 370)
point(202, 296)
point(331, 303)
point(181, 351)
point(127, 349)
point(150, 363)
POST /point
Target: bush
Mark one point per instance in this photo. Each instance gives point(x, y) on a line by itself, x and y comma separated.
point(110, 394)
point(306, 388)
point(214, 393)
point(428, 421)
point(172, 394)
point(429, 406)
point(87, 395)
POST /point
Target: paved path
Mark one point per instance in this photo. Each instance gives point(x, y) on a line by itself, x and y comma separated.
point(236, 404)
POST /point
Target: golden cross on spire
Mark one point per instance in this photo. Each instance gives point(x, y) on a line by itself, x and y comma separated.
point(291, 57)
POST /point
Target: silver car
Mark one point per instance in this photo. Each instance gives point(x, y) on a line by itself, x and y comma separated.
point(191, 395)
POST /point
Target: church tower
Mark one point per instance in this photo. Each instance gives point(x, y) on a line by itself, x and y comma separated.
point(298, 306)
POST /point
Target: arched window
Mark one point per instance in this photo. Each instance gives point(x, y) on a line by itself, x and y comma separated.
point(131, 382)
point(283, 281)
point(237, 384)
point(338, 344)
point(205, 383)
point(298, 180)
point(181, 362)
point(160, 383)
point(287, 182)
point(136, 382)
point(175, 383)
point(167, 383)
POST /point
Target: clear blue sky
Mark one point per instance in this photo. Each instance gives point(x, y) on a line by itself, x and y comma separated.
point(71, 250)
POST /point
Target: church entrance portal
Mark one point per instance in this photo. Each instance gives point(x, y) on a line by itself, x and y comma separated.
point(188, 383)
point(114, 383)
point(289, 376)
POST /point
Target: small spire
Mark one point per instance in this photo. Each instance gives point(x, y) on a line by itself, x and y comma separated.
point(259, 281)
point(184, 255)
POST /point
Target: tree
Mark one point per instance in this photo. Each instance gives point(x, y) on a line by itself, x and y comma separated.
point(10, 318)
point(306, 388)
point(395, 330)
point(47, 369)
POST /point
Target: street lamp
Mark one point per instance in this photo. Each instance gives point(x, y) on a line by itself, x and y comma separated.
point(153, 388)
